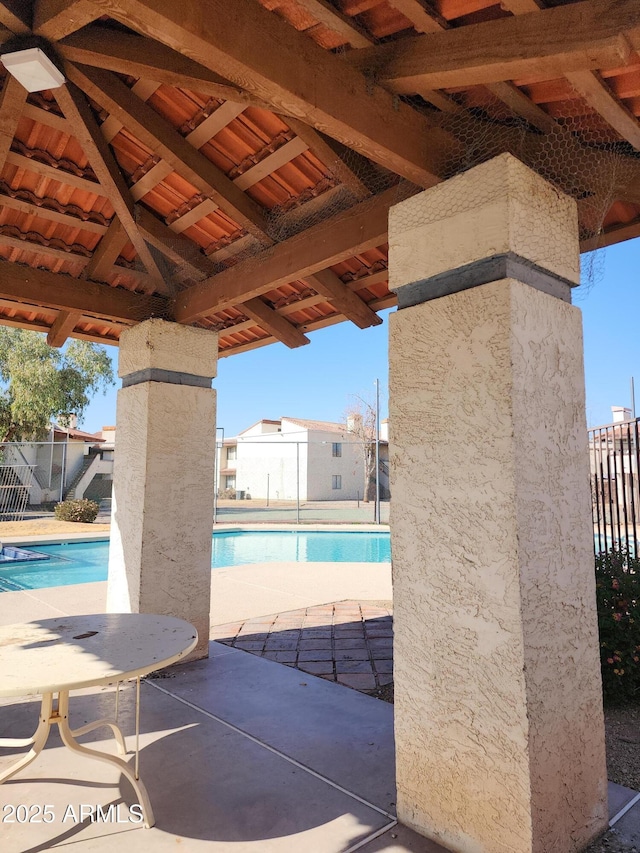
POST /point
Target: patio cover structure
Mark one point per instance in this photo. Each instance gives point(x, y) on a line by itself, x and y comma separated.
point(215, 177)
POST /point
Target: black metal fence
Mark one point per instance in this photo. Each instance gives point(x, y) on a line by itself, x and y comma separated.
point(614, 452)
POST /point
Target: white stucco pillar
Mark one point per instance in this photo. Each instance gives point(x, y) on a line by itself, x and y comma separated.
point(498, 702)
point(162, 512)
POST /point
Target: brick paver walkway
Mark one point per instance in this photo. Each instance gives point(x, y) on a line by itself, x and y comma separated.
point(348, 642)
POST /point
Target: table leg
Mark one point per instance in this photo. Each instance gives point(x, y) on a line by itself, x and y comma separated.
point(38, 740)
point(115, 729)
point(68, 739)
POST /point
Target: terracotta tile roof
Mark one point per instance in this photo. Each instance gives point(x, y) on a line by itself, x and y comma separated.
point(54, 214)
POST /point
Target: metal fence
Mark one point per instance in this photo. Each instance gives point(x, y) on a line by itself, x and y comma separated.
point(32, 474)
point(614, 457)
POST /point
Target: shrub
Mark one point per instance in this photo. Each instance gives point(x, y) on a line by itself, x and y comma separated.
point(618, 597)
point(227, 494)
point(77, 510)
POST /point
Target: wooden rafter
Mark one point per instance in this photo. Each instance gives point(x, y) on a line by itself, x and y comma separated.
point(64, 293)
point(145, 58)
point(274, 161)
point(63, 326)
point(612, 235)
point(87, 132)
point(214, 123)
point(30, 164)
point(344, 300)
point(111, 127)
point(326, 13)
point(274, 323)
point(580, 36)
point(377, 304)
point(142, 278)
point(422, 16)
point(328, 154)
point(47, 117)
point(54, 19)
point(106, 252)
point(13, 16)
point(348, 233)
point(346, 106)
point(178, 249)
point(521, 105)
point(521, 7)
point(593, 89)
point(154, 131)
point(12, 100)
point(426, 20)
point(53, 215)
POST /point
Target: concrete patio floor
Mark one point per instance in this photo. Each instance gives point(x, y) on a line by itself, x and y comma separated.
point(238, 752)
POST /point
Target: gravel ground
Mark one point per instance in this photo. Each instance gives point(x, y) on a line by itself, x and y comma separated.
point(47, 527)
point(623, 765)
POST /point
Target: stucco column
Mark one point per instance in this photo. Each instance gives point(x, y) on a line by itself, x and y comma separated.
point(498, 701)
point(162, 512)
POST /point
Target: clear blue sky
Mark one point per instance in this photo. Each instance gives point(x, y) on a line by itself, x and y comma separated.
point(315, 381)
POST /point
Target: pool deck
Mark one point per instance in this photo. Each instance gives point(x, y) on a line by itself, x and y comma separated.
point(238, 752)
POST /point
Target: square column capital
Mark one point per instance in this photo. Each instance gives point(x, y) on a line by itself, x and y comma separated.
point(500, 207)
point(160, 345)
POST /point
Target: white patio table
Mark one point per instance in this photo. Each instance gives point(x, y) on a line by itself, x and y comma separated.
point(51, 657)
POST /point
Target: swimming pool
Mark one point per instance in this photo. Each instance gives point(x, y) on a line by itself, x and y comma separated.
point(83, 562)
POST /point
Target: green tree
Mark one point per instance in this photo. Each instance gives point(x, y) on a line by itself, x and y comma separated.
point(41, 383)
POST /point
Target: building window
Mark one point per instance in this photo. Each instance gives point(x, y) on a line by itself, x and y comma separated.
point(336, 481)
point(232, 453)
point(336, 450)
point(230, 481)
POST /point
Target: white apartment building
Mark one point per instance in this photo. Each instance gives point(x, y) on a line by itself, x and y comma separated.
point(275, 459)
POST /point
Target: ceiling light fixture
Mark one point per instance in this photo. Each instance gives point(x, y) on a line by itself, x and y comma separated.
point(33, 69)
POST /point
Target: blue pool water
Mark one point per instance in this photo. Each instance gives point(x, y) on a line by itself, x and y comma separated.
point(82, 562)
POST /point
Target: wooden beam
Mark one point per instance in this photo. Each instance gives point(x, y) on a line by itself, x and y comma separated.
point(581, 36)
point(13, 16)
point(592, 88)
point(178, 249)
point(378, 304)
point(194, 215)
point(155, 132)
point(327, 14)
point(274, 323)
point(55, 290)
point(422, 16)
point(47, 117)
point(332, 158)
point(55, 19)
point(523, 106)
point(87, 132)
point(610, 236)
point(126, 53)
point(278, 158)
point(521, 7)
point(213, 124)
point(80, 261)
point(150, 179)
point(63, 325)
point(30, 164)
point(106, 252)
point(342, 236)
point(283, 68)
point(111, 127)
point(12, 99)
point(43, 212)
point(344, 300)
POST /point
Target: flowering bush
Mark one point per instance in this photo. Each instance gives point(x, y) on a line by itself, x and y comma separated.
point(618, 596)
point(78, 510)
